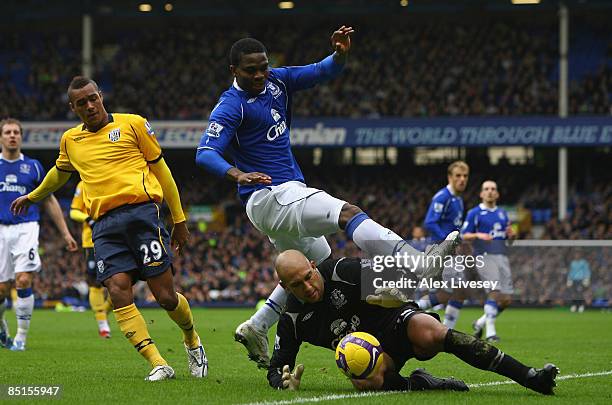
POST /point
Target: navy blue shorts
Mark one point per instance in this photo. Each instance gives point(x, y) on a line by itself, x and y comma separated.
point(131, 238)
point(90, 261)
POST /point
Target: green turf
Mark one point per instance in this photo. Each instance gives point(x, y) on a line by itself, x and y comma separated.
point(63, 348)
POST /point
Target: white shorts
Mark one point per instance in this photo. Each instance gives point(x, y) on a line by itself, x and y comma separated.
point(18, 249)
point(295, 216)
point(497, 268)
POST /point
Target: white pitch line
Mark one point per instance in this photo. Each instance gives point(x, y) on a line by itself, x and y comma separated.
point(334, 397)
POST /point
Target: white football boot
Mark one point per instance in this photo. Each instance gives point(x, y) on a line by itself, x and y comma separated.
point(255, 341)
point(160, 373)
point(197, 361)
point(443, 249)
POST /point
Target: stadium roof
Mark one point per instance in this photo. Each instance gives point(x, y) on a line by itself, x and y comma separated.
point(39, 9)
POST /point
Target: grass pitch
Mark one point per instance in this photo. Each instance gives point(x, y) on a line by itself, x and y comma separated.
point(63, 348)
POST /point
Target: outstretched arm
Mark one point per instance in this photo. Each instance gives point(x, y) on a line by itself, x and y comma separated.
point(180, 233)
point(283, 358)
point(55, 212)
point(52, 181)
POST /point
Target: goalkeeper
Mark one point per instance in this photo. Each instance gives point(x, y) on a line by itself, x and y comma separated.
point(325, 305)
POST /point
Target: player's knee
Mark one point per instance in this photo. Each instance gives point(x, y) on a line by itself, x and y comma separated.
point(427, 335)
point(23, 280)
point(168, 300)
point(348, 211)
point(4, 291)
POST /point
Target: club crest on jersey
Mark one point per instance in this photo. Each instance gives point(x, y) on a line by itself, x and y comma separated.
point(100, 265)
point(149, 128)
point(274, 89)
point(214, 129)
point(501, 215)
point(114, 135)
point(24, 168)
point(337, 298)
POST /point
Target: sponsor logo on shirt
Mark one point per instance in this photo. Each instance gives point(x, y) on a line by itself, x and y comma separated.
point(214, 129)
point(6, 186)
point(278, 129)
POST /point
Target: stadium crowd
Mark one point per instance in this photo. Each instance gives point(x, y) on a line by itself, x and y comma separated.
point(234, 263)
point(497, 67)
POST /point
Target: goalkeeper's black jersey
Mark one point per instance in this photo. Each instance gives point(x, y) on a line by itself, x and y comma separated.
point(326, 322)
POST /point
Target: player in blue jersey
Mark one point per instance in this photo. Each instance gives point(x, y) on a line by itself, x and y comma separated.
point(251, 122)
point(19, 258)
point(444, 215)
point(488, 226)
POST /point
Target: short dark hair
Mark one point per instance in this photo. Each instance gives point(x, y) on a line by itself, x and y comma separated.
point(9, 120)
point(245, 46)
point(78, 82)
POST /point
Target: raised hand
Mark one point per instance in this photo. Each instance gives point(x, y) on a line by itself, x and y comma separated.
point(341, 39)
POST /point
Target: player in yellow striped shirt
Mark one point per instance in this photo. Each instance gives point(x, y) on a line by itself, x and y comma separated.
point(99, 304)
point(124, 180)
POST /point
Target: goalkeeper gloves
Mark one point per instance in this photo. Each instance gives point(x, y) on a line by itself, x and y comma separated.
point(290, 380)
point(387, 298)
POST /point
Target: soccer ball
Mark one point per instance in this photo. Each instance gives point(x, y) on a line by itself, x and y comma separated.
point(359, 355)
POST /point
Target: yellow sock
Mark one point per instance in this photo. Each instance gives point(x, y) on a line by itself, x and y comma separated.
point(133, 327)
point(96, 301)
point(108, 304)
point(184, 319)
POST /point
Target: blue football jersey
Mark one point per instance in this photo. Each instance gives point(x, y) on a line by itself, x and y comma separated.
point(255, 129)
point(444, 215)
point(493, 221)
point(17, 178)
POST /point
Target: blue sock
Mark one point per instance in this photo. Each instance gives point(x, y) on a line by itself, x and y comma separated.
point(24, 292)
point(433, 299)
point(455, 304)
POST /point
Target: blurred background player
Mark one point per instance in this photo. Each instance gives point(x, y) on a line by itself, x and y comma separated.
point(252, 121)
point(19, 258)
point(489, 227)
point(98, 303)
point(444, 215)
point(578, 279)
point(124, 180)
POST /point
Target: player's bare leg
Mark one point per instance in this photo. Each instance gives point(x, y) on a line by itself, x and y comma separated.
point(24, 306)
point(5, 339)
point(133, 326)
point(177, 307)
point(429, 337)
